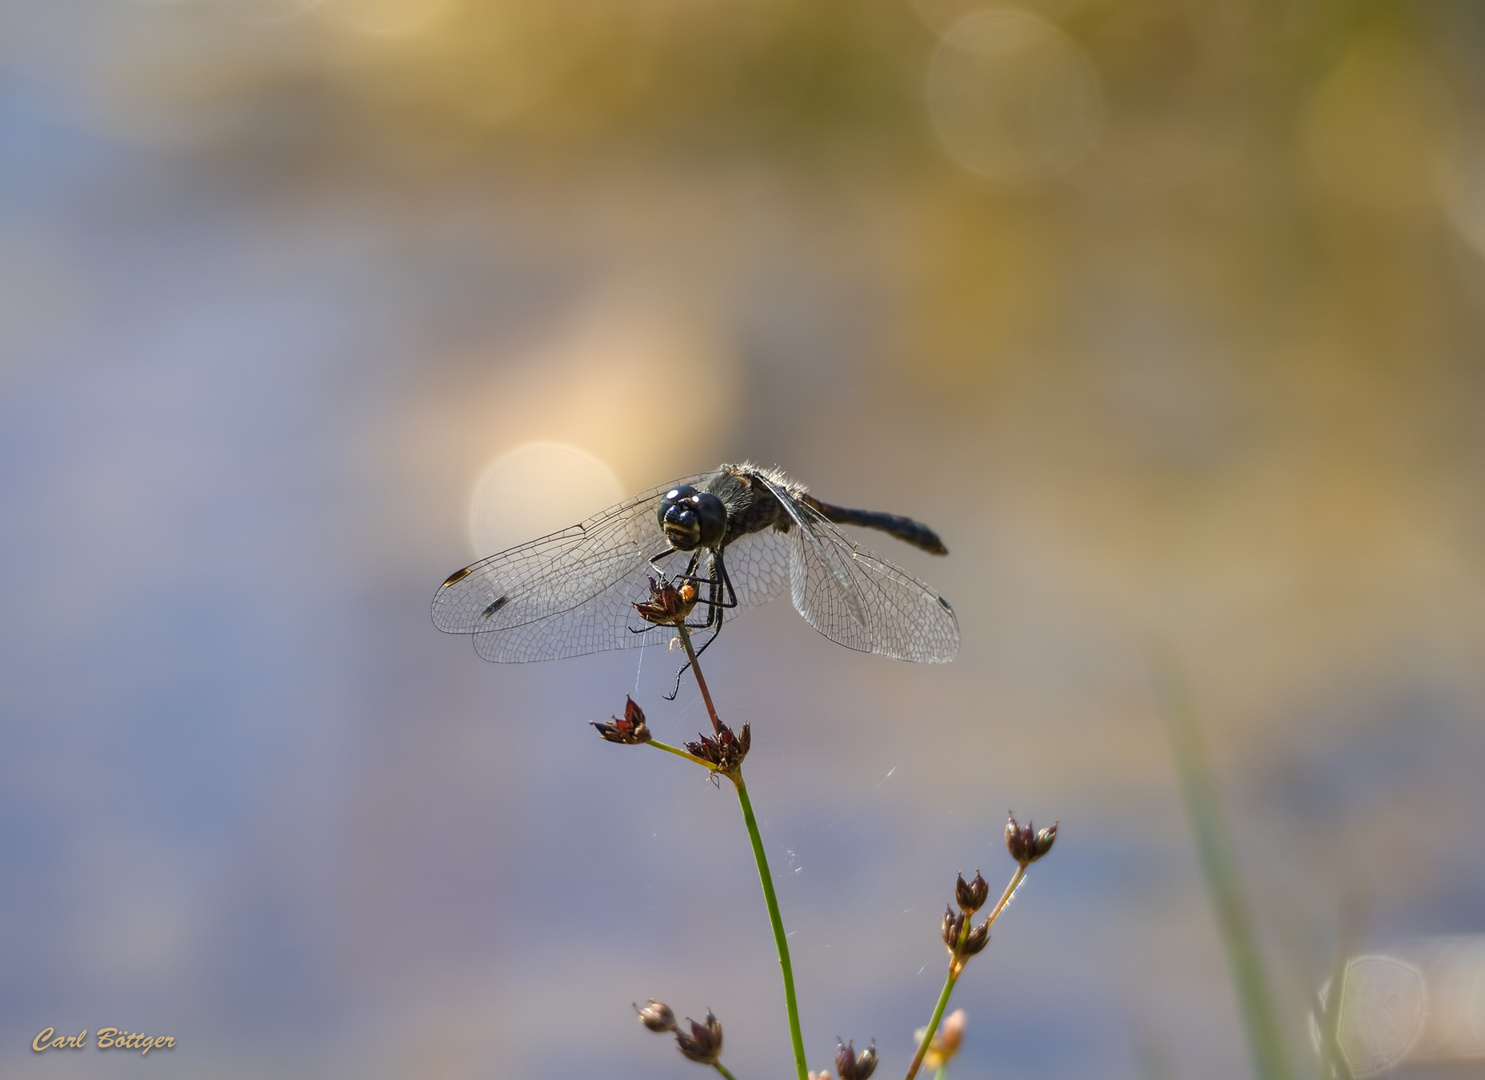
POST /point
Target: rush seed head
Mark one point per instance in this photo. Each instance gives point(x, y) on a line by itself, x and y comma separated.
point(668, 604)
point(703, 1044)
point(656, 1016)
point(725, 750)
point(850, 1065)
point(1029, 844)
point(631, 730)
point(971, 895)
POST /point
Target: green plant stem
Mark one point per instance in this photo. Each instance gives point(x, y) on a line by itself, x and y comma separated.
point(678, 752)
point(1219, 867)
point(1005, 897)
point(761, 858)
point(776, 920)
point(723, 1070)
point(956, 968)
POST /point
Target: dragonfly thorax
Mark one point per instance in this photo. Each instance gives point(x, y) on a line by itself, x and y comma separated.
point(692, 519)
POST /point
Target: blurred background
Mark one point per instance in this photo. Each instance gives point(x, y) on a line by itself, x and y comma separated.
point(1166, 314)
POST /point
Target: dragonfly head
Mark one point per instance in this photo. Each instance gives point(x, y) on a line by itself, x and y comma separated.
point(692, 519)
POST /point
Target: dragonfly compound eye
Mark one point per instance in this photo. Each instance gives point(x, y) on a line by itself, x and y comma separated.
point(677, 517)
point(711, 515)
point(675, 495)
point(692, 519)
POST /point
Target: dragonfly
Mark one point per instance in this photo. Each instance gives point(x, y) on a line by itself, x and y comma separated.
point(732, 538)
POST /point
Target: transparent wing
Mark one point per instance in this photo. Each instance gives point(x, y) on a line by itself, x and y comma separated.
point(573, 592)
point(527, 602)
point(604, 621)
point(758, 565)
point(861, 601)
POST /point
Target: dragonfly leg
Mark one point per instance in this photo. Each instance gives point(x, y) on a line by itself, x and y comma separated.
point(713, 582)
point(721, 568)
point(717, 582)
point(660, 555)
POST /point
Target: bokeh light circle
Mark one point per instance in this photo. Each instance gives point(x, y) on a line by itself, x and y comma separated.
point(534, 489)
point(1382, 1013)
point(1012, 97)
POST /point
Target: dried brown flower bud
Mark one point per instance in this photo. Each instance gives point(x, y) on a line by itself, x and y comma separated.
point(631, 730)
point(1029, 844)
point(725, 750)
point(978, 938)
point(656, 1016)
point(974, 941)
point(971, 895)
point(850, 1065)
point(667, 605)
point(704, 1043)
point(953, 926)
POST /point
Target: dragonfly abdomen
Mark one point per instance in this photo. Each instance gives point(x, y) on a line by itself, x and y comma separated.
point(904, 528)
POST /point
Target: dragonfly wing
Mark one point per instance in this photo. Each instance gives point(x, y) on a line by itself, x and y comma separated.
point(758, 565)
point(812, 551)
point(883, 610)
point(600, 623)
point(567, 593)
